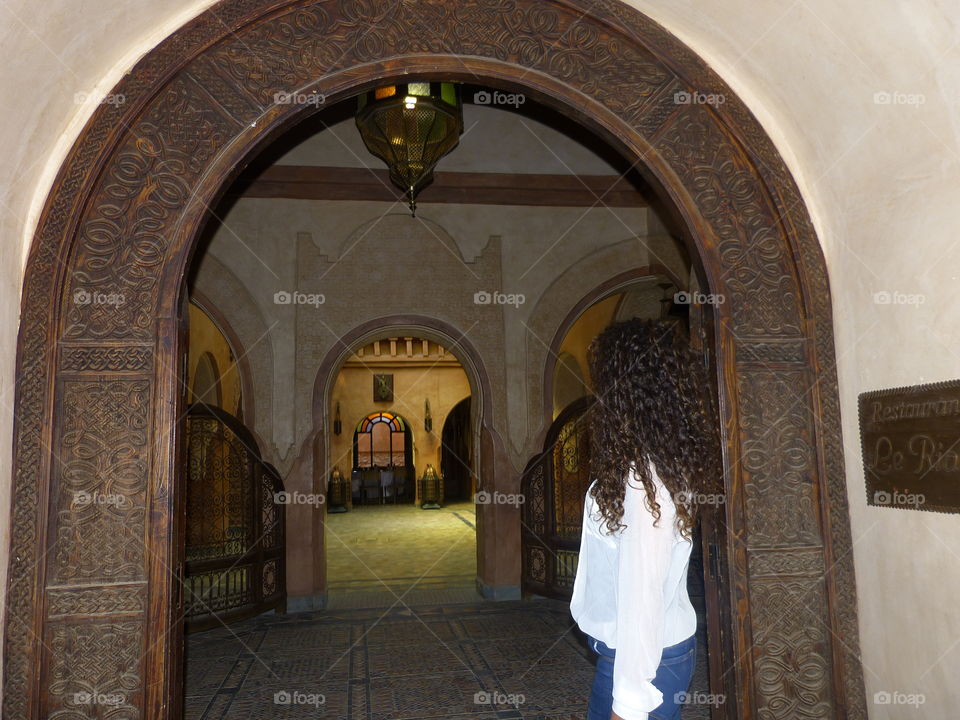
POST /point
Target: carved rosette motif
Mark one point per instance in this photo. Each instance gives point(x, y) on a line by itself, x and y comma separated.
point(124, 189)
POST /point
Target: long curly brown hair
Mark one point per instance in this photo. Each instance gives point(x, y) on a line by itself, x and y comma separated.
point(652, 406)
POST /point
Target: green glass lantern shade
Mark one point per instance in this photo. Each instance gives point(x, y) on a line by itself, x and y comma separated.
point(410, 127)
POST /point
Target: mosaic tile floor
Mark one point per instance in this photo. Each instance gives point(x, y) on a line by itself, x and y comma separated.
point(422, 658)
point(508, 660)
point(457, 662)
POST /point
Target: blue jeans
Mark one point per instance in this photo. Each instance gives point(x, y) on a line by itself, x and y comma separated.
point(673, 677)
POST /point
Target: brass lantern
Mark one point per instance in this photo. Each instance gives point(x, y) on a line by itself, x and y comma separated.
point(410, 127)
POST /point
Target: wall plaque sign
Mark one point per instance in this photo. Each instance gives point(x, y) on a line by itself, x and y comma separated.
point(382, 388)
point(910, 439)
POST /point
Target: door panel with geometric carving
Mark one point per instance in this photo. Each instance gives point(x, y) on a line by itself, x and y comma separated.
point(555, 484)
point(235, 524)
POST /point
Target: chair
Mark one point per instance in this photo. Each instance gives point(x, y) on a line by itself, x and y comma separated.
point(355, 479)
point(400, 484)
point(386, 486)
point(371, 485)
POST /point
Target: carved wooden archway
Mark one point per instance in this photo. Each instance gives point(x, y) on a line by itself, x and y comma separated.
point(97, 407)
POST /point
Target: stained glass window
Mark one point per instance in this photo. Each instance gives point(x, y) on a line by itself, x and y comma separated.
point(380, 440)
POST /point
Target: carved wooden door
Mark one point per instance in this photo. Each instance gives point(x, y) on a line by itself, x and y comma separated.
point(235, 523)
point(712, 536)
point(554, 485)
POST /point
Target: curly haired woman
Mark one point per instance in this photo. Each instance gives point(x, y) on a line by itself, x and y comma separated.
point(654, 449)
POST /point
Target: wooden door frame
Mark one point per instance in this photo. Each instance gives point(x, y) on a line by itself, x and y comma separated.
point(97, 382)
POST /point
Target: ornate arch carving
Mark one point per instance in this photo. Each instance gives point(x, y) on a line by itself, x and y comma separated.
point(96, 404)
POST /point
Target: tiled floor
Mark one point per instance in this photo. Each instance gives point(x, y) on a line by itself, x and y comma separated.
point(373, 547)
point(485, 661)
point(423, 656)
point(517, 660)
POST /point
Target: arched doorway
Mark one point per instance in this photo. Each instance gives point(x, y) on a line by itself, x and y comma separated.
point(457, 453)
point(442, 337)
point(123, 216)
point(206, 383)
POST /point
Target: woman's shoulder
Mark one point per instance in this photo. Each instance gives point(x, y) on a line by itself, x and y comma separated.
point(635, 490)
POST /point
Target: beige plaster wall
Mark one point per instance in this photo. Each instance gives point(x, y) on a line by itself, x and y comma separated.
point(206, 337)
point(881, 180)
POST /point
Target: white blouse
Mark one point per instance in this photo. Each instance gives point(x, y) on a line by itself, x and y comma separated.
point(631, 592)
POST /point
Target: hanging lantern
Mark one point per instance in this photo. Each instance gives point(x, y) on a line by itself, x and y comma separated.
point(410, 127)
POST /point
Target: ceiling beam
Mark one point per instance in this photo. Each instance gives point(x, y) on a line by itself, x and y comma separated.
point(309, 182)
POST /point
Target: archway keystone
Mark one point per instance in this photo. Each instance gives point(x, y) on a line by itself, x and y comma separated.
point(93, 603)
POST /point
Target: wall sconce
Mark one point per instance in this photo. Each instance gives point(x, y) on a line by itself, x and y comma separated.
point(337, 425)
point(427, 417)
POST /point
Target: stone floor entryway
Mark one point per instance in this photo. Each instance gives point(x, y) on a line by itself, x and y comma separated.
point(483, 661)
point(519, 660)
